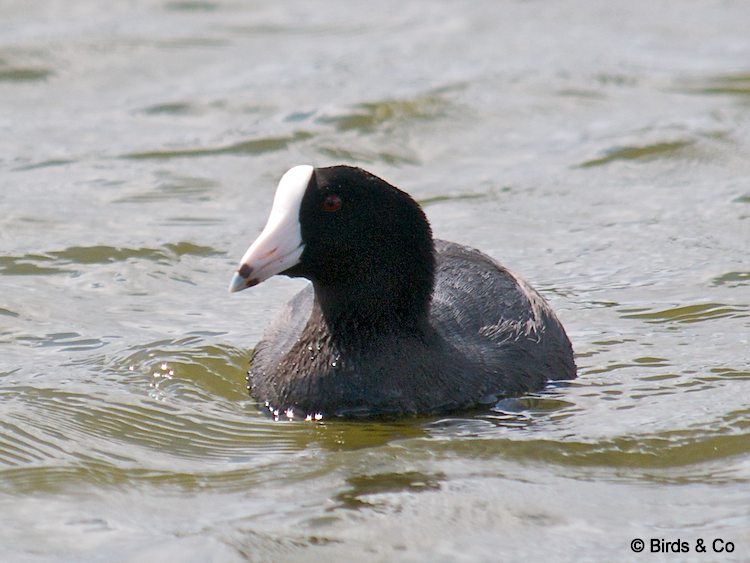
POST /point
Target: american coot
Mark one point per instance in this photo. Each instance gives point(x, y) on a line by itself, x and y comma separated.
point(395, 322)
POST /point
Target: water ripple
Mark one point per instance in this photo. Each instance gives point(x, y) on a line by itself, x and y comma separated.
point(57, 262)
point(666, 149)
point(24, 74)
point(368, 117)
point(688, 313)
point(251, 147)
point(172, 187)
point(722, 85)
point(732, 279)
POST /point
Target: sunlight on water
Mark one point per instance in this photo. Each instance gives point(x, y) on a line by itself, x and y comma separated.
point(603, 157)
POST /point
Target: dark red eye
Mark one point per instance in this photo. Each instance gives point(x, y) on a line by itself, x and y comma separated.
point(331, 203)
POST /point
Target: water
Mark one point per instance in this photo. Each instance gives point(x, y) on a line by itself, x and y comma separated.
point(598, 150)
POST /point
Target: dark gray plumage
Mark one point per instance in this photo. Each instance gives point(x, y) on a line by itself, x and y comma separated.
point(490, 335)
point(395, 322)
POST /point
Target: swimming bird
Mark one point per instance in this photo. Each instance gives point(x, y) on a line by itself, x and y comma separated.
point(394, 322)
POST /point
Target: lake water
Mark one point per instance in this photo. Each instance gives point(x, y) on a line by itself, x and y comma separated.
point(598, 149)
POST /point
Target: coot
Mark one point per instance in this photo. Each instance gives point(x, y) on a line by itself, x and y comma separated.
point(394, 322)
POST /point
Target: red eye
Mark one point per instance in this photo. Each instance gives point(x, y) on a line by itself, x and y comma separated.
point(331, 203)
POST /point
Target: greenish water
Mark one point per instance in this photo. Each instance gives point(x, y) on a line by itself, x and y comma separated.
point(600, 151)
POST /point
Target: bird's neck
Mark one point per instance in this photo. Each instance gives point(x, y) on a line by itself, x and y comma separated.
point(377, 295)
point(367, 313)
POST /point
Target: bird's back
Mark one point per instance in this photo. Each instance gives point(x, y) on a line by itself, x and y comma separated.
point(489, 314)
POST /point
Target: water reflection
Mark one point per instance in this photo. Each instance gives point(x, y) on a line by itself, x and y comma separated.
point(251, 147)
point(667, 149)
point(362, 491)
point(688, 313)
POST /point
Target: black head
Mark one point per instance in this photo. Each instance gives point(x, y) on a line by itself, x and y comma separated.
point(366, 246)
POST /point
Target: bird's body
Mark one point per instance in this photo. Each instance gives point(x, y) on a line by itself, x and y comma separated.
point(395, 323)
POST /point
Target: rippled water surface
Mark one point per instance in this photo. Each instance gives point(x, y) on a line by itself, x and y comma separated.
point(598, 149)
